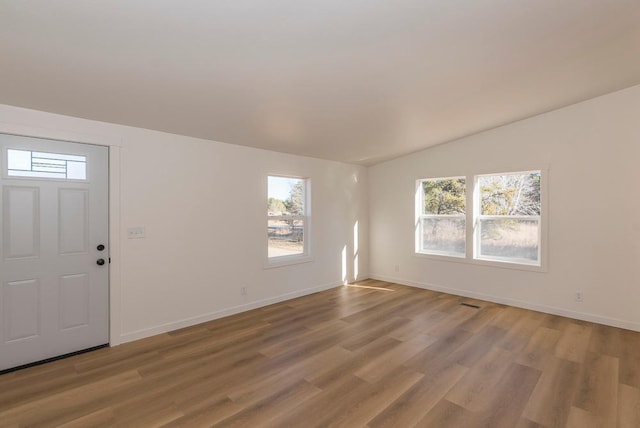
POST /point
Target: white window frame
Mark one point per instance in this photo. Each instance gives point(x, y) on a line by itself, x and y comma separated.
point(478, 217)
point(472, 208)
point(305, 256)
point(420, 215)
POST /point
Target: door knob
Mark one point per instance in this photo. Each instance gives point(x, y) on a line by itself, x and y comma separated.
point(100, 262)
point(100, 247)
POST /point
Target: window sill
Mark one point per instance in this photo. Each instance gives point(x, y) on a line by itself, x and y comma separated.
point(504, 264)
point(483, 262)
point(442, 256)
point(282, 261)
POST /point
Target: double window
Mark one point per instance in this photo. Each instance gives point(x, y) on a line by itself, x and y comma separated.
point(287, 219)
point(505, 219)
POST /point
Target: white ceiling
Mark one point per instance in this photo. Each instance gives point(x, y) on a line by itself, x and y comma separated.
point(352, 80)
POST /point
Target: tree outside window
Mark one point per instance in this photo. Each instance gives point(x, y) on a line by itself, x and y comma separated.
point(287, 217)
point(508, 224)
point(442, 221)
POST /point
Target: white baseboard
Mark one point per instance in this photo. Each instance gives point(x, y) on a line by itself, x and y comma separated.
point(598, 319)
point(175, 325)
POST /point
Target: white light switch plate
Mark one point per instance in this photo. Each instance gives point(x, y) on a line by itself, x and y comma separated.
point(135, 232)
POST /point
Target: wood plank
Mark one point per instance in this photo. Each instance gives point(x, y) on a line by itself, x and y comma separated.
point(387, 390)
point(411, 406)
point(207, 413)
point(472, 391)
point(259, 387)
point(510, 396)
point(448, 414)
point(471, 351)
point(101, 418)
point(370, 333)
point(598, 389)
point(441, 349)
point(325, 376)
point(550, 402)
point(482, 318)
point(325, 406)
point(417, 326)
point(573, 343)
point(378, 366)
point(540, 348)
point(526, 423)
point(275, 405)
point(579, 418)
point(519, 334)
point(630, 358)
point(628, 407)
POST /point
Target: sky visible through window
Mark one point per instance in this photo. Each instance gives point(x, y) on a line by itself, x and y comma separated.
point(280, 187)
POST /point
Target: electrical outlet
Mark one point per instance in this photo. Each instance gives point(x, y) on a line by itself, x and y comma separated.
point(397, 268)
point(243, 291)
point(579, 297)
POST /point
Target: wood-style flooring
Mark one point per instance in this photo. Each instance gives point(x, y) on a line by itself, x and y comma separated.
point(372, 354)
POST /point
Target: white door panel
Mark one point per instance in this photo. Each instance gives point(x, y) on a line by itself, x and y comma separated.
point(21, 222)
point(21, 310)
point(74, 301)
point(54, 214)
point(73, 221)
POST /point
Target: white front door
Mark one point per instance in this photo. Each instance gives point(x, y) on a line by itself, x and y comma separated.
point(54, 252)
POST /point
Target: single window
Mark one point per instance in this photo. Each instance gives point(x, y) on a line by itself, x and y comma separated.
point(25, 163)
point(287, 218)
point(508, 222)
point(441, 227)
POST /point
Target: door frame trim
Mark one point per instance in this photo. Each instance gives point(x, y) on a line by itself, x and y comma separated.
point(115, 146)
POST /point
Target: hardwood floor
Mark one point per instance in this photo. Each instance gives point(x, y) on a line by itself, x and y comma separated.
point(373, 354)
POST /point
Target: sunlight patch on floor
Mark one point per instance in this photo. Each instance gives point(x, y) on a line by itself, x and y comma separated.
point(370, 287)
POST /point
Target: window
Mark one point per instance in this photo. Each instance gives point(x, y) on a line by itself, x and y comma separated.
point(287, 219)
point(508, 208)
point(25, 163)
point(503, 224)
point(442, 222)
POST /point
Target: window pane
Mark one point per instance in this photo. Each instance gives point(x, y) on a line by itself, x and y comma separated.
point(444, 196)
point(77, 170)
point(60, 156)
point(510, 239)
point(510, 194)
point(37, 174)
point(19, 160)
point(24, 163)
point(39, 161)
point(286, 196)
point(48, 167)
point(286, 237)
point(443, 235)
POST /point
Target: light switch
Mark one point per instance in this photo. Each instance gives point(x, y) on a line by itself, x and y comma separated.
point(135, 232)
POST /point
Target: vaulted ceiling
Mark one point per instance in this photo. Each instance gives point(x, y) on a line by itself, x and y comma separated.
point(357, 81)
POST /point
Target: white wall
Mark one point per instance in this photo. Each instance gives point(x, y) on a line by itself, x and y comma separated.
point(205, 239)
point(592, 153)
point(203, 205)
